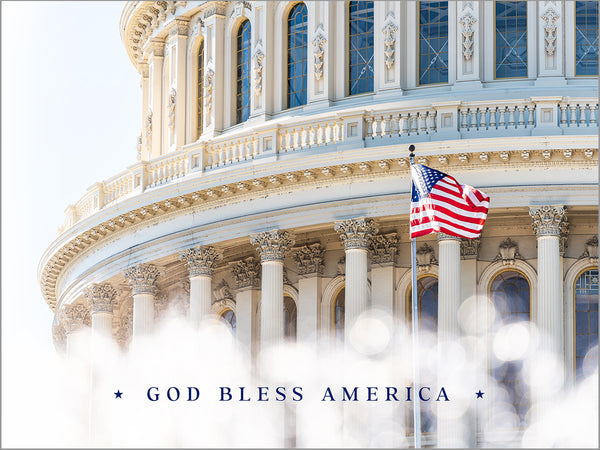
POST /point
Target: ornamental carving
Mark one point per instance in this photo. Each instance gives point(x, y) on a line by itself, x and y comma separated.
point(272, 245)
point(447, 237)
point(76, 316)
point(309, 259)
point(508, 252)
point(208, 91)
point(259, 57)
point(470, 247)
point(161, 302)
point(549, 220)
point(319, 51)
point(142, 278)
point(222, 292)
point(246, 273)
point(171, 107)
point(356, 233)
point(550, 18)
point(467, 21)
point(125, 327)
point(383, 248)
point(148, 127)
point(591, 250)
point(101, 297)
point(200, 260)
point(389, 40)
point(425, 258)
point(138, 147)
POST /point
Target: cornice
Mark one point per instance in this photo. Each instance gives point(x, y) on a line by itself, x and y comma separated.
point(123, 219)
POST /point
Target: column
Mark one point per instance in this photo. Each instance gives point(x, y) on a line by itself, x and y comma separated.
point(200, 262)
point(142, 279)
point(355, 234)
point(383, 250)
point(214, 86)
point(76, 318)
point(247, 298)
point(271, 245)
point(310, 269)
point(101, 298)
point(449, 286)
point(548, 223)
point(154, 115)
point(179, 32)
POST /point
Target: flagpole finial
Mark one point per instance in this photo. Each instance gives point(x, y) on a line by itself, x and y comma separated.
point(411, 148)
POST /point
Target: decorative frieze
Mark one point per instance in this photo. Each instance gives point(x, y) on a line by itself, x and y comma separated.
point(356, 233)
point(222, 291)
point(142, 278)
point(389, 40)
point(200, 261)
point(246, 273)
point(319, 42)
point(75, 317)
point(101, 297)
point(425, 258)
point(469, 247)
point(549, 220)
point(591, 250)
point(383, 248)
point(467, 21)
point(309, 259)
point(272, 245)
point(508, 252)
point(550, 17)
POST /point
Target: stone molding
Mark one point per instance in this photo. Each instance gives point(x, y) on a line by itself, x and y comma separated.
point(549, 220)
point(383, 248)
point(309, 258)
point(356, 233)
point(142, 278)
point(200, 260)
point(101, 297)
point(75, 317)
point(447, 237)
point(246, 273)
point(272, 245)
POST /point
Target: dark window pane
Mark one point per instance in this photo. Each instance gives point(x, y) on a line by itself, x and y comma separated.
point(511, 39)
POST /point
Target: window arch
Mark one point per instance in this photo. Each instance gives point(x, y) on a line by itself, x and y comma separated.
point(360, 48)
point(200, 90)
point(510, 293)
point(427, 303)
point(339, 315)
point(290, 318)
point(243, 47)
point(433, 42)
point(297, 57)
point(228, 316)
point(586, 316)
point(586, 38)
point(511, 39)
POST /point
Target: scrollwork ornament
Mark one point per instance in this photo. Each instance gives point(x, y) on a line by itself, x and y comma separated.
point(467, 21)
point(259, 57)
point(425, 258)
point(142, 278)
point(319, 42)
point(171, 107)
point(246, 273)
point(550, 17)
point(201, 261)
point(591, 250)
point(383, 248)
point(208, 91)
point(389, 40)
point(309, 259)
point(356, 233)
point(549, 220)
point(508, 252)
point(272, 245)
point(101, 297)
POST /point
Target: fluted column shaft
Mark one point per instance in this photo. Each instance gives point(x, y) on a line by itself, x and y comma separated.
point(356, 235)
point(142, 278)
point(272, 246)
point(449, 286)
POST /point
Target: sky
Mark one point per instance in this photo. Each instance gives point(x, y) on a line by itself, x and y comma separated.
point(71, 114)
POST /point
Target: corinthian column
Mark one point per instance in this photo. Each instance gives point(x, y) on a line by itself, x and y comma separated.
point(271, 245)
point(200, 262)
point(101, 298)
point(356, 235)
point(247, 283)
point(76, 318)
point(142, 279)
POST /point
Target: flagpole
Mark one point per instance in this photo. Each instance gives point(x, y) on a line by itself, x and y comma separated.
point(415, 327)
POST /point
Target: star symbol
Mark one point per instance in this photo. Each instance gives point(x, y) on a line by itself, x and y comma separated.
point(479, 394)
point(118, 394)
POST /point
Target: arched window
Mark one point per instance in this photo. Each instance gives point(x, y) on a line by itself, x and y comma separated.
point(242, 104)
point(586, 317)
point(339, 315)
point(433, 42)
point(199, 90)
point(297, 55)
point(427, 302)
point(360, 48)
point(511, 39)
point(228, 316)
point(586, 38)
point(511, 295)
point(290, 318)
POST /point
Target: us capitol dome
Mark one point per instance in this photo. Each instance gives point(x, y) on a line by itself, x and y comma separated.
point(271, 184)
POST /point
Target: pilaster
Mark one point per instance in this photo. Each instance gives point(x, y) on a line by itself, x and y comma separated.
point(153, 120)
point(214, 63)
point(178, 36)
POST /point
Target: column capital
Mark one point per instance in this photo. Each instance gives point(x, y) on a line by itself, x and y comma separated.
point(180, 27)
point(76, 316)
point(549, 220)
point(101, 297)
point(383, 248)
point(144, 69)
point(469, 247)
point(246, 273)
point(156, 47)
point(142, 278)
point(200, 260)
point(309, 259)
point(447, 237)
point(356, 233)
point(272, 245)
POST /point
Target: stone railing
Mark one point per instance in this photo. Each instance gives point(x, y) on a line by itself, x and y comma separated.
point(450, 120)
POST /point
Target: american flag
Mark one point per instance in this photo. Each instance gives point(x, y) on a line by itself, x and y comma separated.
point(440, 203)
